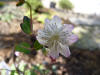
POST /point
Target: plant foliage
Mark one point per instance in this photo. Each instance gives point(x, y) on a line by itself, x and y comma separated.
point(25, 26)
point(23, 47)
point(35, 4)
point(66, 4)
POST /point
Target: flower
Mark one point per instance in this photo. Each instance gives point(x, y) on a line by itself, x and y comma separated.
point(3, 65)
point(57, 37)
point(17, 53)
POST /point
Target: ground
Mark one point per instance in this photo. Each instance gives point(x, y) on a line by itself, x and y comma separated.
point(81, 61)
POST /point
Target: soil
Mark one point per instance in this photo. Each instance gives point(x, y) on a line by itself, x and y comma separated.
point(81, 62)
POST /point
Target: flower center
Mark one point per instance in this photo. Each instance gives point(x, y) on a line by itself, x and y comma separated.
point(55, 37)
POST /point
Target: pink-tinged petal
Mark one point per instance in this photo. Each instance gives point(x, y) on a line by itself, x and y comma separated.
point(53, 54)
point(68, 27)
point(56, 20)
point(47, 25)
point(47, 21)
point(72, 39)
point(17, 53)
point(65, 50)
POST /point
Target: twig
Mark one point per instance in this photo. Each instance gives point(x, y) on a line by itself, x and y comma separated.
point(14, 60)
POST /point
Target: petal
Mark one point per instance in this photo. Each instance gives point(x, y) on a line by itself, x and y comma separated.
point(42, 33)
point(64, 50)
point(54, 54)
point(48, 27)
point(56, 20)
point(52, 25)
point(68, 27)
point(47, 21)
point(72, 39)
point(41, 37)
point(3, 65)
point(41, 41)
point(17, 53)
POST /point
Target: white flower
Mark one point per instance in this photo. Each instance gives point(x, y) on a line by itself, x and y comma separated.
point(57, 37)
point(17, 53)
point(3, 65)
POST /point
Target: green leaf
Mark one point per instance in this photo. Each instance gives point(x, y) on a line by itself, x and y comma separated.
point(37, 45)
point(20, 3)
point(47, 71)
point(33, 73)
point(23, 47)
point(25, 26)
point(27, 72)
point(25, 44)
point(13, 72)
point(30, 72)
point(37, 68)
